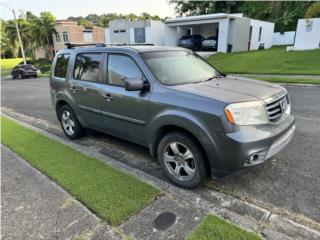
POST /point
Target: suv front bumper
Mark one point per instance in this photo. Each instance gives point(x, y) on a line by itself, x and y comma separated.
point(252, 145)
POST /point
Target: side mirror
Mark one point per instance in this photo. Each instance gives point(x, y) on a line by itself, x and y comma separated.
point(134, 84)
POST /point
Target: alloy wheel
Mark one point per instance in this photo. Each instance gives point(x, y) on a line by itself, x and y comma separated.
point(68, 122)
point(179, 161)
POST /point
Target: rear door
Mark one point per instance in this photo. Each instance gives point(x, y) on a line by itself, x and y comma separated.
point(125, 113)
point(85, 84)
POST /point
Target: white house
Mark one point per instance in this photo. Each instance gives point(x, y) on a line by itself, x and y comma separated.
point(234, 32)
point(283, 38)
point(140, 31)
point(307, 34)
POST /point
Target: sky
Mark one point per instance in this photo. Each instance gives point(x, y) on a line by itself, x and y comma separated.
point(62, 9)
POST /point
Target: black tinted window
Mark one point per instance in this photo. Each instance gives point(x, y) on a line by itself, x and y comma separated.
point(122, 67)
point(87, 67)
point(61, 65)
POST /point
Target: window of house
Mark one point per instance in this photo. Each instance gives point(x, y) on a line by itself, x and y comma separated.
point(260, 32)
point(57, 37)
point(116, 31)
point(122, 30)
point(65, 37)
point(309, 24)
point(189, 31)
point(120, 68)
point(61, 66)
point(87, 67)
point(139, 35)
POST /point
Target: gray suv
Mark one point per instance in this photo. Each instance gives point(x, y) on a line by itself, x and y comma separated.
point(194, 120)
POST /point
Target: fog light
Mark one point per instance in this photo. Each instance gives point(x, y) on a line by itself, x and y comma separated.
point(256, 158)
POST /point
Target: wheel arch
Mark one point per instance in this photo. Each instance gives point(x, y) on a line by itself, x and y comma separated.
point(188, 125)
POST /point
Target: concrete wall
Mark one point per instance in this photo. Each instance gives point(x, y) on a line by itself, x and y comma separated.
point(155, 33)
point(223, 35)
point(170, 36)
point(285, 38)
point(266, 34)
point(238, 35)
point(307, 38)
point(115, 27)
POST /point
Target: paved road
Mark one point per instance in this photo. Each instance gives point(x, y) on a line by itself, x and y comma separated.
point(291, 181)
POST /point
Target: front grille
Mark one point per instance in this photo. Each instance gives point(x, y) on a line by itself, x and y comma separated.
point(276, 108)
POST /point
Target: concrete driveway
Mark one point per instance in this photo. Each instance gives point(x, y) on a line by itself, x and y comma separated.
point(289, 182)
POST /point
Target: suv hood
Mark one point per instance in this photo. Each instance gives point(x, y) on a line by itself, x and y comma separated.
point(232, 89)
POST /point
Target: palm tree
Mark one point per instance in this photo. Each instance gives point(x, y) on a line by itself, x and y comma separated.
point(24, 28)
point(313, 10)
point(42, 32)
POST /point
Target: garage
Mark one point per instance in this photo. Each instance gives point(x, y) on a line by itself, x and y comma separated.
point(231, 31)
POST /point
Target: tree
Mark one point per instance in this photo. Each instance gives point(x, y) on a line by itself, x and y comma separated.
point(42, 30)
point(284, 14)
point(5, 50)
point(11, 32)
point(313, 11)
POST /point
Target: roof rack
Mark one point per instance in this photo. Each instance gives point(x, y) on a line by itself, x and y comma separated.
point(72, 45)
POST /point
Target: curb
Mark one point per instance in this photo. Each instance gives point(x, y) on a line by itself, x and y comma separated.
point(239, 212)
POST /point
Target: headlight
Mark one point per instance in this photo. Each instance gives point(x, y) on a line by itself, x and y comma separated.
point(246, 113)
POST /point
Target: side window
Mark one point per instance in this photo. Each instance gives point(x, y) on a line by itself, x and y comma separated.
point(61, 67)
point(121, 67)
point(87, 67)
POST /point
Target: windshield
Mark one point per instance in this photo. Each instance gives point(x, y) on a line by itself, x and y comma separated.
point(179, 67)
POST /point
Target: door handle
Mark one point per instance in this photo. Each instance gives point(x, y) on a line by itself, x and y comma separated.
point(73, 89)
point(107, 96)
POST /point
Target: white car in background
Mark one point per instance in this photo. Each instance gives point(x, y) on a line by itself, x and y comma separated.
point(210, 43)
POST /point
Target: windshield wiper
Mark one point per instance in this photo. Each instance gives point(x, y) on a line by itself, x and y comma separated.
point(211, 78)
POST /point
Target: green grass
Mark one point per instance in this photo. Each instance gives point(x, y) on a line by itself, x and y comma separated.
point(9, 63)
point(214, 228)
point(272, 61)
point(111, 194)
point(290, 80)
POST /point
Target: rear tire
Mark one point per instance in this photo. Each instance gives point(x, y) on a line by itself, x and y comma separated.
point(70, 124)
point(182, 159)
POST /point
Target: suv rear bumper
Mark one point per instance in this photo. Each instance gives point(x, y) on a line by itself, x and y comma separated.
point(251, 145)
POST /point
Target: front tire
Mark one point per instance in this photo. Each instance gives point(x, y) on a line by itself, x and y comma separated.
point(181, 159)
point(70, 124)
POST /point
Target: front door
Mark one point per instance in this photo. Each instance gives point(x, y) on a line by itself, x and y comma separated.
point(85, 87)
point(125, 113)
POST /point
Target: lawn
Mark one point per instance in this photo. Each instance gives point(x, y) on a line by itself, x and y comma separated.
point(214, 228)
point(111, 194)
point(272, 61)
point(9, 63)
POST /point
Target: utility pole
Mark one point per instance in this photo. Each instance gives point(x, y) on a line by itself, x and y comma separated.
point(18, 33)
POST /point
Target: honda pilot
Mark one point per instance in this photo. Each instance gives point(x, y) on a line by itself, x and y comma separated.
point(195, 121)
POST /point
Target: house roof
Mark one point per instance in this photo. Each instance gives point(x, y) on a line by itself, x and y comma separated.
point(203, 17)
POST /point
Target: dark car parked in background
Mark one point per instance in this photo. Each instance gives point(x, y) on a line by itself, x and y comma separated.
point(23, 71)
point(193, 42)
point(210, 43)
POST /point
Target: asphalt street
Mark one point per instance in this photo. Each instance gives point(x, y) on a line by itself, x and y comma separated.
point(290, 181)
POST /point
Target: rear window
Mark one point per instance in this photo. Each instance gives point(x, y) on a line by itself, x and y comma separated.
point(87, 67)
point(62, 65)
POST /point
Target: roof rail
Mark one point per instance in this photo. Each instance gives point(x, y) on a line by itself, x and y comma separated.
point(72, 45)
point(129, 44)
